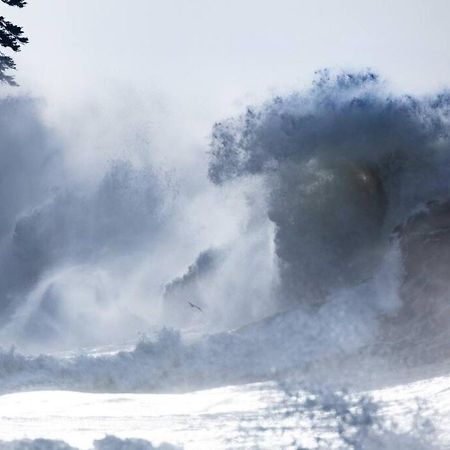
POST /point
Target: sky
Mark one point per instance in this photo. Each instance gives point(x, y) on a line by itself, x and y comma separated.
point(208, 57)
point(166, 71)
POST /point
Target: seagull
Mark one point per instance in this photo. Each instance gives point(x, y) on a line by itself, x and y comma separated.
point(192, 305)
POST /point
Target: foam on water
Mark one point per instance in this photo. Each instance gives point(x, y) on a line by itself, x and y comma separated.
point(264, 415)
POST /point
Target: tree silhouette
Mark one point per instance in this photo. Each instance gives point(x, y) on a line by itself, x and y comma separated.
point(11, 36)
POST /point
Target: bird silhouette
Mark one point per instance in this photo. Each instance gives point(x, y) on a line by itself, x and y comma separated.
point(192, 305)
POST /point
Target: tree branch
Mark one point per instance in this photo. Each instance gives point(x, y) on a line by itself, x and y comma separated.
point(18, 3)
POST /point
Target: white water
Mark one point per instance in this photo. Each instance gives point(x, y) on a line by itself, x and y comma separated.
point(281, 243)
point(247, 416)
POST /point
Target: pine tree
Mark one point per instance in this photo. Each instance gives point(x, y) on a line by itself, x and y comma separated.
point(11, 37)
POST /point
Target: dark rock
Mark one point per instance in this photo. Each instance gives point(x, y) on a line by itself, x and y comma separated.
point(425, 246)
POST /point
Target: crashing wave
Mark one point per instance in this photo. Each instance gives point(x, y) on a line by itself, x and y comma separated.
point(344, 163)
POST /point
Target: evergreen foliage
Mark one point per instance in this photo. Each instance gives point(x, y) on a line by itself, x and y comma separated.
point(11, 37)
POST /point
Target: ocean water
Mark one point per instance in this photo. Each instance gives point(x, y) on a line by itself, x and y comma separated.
point(258, 415)
point(296, 296)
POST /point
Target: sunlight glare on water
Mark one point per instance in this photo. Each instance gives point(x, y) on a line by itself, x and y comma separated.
point(230, 417)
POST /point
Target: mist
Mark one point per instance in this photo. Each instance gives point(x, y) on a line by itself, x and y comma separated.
point(96, 228)
point(292, 205)
point(343, 164)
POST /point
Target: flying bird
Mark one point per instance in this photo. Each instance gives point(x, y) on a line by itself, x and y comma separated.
point(192, 305)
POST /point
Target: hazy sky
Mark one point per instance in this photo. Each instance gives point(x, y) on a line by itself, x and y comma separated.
point(216, 52)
